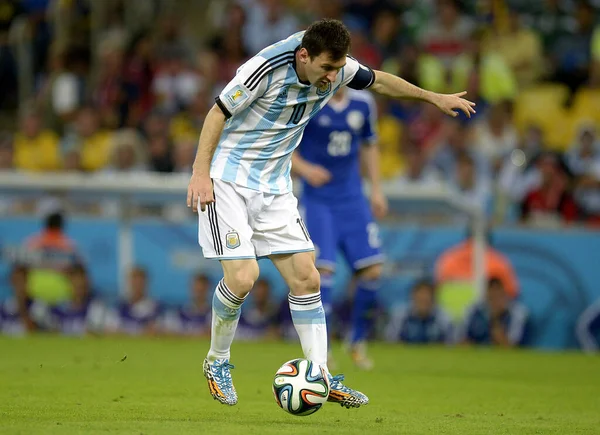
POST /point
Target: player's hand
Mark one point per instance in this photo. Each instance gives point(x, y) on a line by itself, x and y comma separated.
point(317, 176)
point(379, 204)
point(449, 103)
point(200, 190)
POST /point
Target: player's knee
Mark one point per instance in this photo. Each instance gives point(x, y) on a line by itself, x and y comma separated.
point(307, 281)
point(371, 273)
point(241, 280)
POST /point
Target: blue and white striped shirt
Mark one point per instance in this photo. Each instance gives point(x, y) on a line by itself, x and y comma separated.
point(268, 107)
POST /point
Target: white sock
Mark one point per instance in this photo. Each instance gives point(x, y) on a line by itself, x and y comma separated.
point(226, 309)
point(309, 320)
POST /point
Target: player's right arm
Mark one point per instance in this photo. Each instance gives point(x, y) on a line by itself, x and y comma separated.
point(315, 175)
point(249, 83)
point(200, 188)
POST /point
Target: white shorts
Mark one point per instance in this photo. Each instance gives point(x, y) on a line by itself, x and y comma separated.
point(245, 223)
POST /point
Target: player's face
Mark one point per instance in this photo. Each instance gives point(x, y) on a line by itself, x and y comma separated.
point(322, 70)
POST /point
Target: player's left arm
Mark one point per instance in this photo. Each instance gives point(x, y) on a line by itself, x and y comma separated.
point(394, 87)
point(362, 77)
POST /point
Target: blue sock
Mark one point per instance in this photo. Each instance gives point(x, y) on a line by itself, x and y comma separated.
point(363, 315)
point(327, 300)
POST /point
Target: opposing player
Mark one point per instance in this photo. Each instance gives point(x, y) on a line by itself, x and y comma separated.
point(241, 183)
point(336, 213)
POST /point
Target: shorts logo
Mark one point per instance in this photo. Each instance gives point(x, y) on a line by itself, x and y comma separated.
point(232, 240)
point(237, 96)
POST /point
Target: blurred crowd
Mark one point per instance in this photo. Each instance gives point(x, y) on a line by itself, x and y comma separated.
point(51, 291)
point(110, 97)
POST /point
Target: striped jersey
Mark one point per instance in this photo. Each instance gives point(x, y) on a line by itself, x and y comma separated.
point(267, 107)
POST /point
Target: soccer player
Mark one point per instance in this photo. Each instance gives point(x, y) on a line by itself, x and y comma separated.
point(241, 184)
point(336, 212)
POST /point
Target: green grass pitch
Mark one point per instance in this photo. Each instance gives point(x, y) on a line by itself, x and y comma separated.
point(54, 385)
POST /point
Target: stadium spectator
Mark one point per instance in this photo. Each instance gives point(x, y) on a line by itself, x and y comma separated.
point(495, 136)
point(455, 264)
point(420, 321)
point(194, 317)
point(497, 320)
point(472, 189)
point(138, 314)
point(455, 142)
point(571, 54)
point(267, 21)
point(447, 35)
point(82, 314)
point(587, 195)
point(15, 312)
point(588, 328)
point(93, 144)
point(550, 203)
point(36, 148)
point(50, 255)
point(520, 48)
point(584, 153)
point(417, 172)
point(257, 321)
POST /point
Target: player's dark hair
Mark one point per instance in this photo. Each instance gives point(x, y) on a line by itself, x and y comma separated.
point(327, 35)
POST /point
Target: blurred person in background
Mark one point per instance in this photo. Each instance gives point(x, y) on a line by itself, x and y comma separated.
point(138, 314)
point(587, 195)
point(175, 83)
point(421, 321)
point(447, 36)
point(139, 70)
point(267, 21)
point(456, 141)
point(258, 319)
point(417, 172)
point(518, 174)
point(497, 320)
point(36, 148)
point(50, 255)
point(571, 54)
point(63, 90)
point(584, 154)
point(16, 317)
point(128, 153)
point(483, 72)
point(520, 47)
point(495, 136)
point(83, 314)
point(471, 188)
point(194, 317)
point(392, 135)
point(111, 93)
point(189, 123)
point(550, 203)
point(454, 274)
point(588, 328)
point(87, 138)
point(337, 215)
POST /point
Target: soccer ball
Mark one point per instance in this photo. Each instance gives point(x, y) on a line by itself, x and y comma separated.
point(300, 387)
